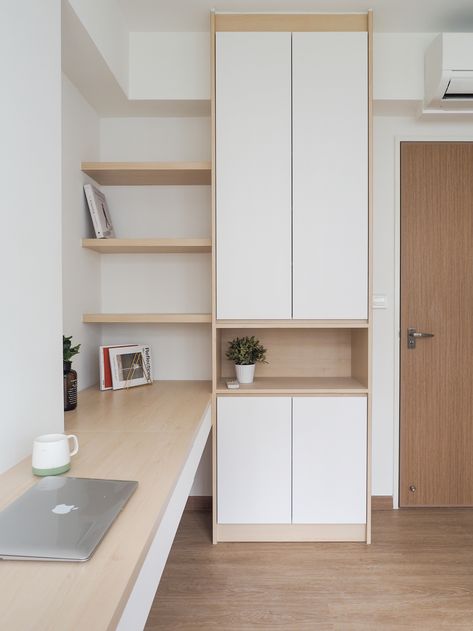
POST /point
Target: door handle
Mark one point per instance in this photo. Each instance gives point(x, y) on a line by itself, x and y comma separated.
point(412, 335)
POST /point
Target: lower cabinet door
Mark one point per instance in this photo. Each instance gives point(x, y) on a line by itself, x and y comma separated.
point(254, 460)
point(329, 460)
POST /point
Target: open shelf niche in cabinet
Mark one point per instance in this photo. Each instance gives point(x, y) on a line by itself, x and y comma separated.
point(300, 361)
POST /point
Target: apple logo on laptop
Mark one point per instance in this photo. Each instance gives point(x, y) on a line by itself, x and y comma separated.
point(63, 509)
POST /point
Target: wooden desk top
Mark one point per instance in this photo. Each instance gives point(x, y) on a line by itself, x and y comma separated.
point(142, 434)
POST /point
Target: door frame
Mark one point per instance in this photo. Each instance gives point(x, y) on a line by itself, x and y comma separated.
point(397, 288)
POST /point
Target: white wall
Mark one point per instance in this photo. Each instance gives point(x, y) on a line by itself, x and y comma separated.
point(31, 397)
point(386, 131)
point(105, 25)
point(157, 282)
point(398, 65)
point(81, 267)
point(169, 66)
point(164, 139)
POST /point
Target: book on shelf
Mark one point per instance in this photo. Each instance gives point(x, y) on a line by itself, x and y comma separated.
point(130, 366)
point(99, 212)
point(104, 364)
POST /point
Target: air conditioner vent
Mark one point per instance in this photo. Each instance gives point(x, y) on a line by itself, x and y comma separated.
point(446, 88)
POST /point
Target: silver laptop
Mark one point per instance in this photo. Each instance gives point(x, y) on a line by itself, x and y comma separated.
point(61, 518)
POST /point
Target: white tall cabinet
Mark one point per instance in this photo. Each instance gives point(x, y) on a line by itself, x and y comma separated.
point(292, 197)
point(330, 175)
point(291, 168)
point(253, 171)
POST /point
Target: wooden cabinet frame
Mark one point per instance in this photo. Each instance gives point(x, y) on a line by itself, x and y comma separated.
point(360, 331)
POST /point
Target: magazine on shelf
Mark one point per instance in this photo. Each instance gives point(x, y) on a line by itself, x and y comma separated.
point(104, 364)
point(99, 212)
point(130, 366)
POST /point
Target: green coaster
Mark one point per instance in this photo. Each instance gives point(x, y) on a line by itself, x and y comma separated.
point(55, 471)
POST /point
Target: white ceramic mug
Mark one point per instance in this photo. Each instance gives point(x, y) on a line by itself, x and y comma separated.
point(52, 455)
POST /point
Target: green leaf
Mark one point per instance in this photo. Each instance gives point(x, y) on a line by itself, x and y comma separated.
point(68, 351)
point(245, 351)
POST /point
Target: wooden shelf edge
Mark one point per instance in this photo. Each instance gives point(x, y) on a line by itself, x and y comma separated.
point(143, 246)
point(149, 173)
point(295, 386)
point(201, 165)
point(292, 324)
point(147, 318)
point(290, 391)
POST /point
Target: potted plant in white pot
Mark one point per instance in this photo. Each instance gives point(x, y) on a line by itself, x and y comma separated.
point(246, 352)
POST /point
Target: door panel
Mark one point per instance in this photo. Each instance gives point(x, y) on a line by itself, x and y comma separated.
point(254, 460)
point(329, 460)
point(253, 170)
point(330, 175)
point(436, 463)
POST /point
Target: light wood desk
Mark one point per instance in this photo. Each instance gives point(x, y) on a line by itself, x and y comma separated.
point(153, 434)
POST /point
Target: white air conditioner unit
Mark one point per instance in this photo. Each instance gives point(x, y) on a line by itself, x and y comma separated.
point(448, 73)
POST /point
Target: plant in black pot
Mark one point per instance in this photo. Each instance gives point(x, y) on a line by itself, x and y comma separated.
point(246, 352)
point(70, 375)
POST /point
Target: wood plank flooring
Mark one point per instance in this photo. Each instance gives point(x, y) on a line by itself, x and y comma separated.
point(417, 575)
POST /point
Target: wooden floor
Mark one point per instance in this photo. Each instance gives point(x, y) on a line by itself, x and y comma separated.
point(417, 575)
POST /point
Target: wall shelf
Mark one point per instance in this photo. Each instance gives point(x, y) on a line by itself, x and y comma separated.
point(151, 246)
point(292, 324)
point(147, 318)
point(148, 173)
point(296, 385)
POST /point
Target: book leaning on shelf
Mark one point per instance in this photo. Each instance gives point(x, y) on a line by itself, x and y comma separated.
point(104, 364)
point(130, 366)
point(99, 212)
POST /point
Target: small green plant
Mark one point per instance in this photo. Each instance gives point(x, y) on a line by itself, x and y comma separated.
point(68, 351)
point(245, 351)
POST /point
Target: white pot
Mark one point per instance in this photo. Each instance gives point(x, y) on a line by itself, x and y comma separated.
point(245, 374)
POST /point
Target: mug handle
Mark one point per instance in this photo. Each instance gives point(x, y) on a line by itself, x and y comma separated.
point(76, 444)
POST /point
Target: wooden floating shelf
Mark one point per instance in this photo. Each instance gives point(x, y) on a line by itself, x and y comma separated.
point(151, 246)
point(147, 318)
point(292, 324)
point(149, 173)
point(296, 385)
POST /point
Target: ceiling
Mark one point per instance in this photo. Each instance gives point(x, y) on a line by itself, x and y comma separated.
point(395, 16)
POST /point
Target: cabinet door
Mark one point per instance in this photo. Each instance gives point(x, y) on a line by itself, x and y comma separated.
point(253, 175)
point(329, 460)
point(254, 460)
point(330, 176)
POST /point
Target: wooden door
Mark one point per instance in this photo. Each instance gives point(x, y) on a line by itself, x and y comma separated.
point(329, 460)
point(436, 464)
point(330, 175)
point(253, 460)
point(253, 175)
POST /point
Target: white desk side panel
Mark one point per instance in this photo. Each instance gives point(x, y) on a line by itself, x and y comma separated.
point(139, 603)
point(329, 460)
point(253, 175)
point(254, 460)
point(330, 176)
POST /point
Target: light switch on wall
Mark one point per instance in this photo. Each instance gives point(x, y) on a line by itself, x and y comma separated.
point(380, 301)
